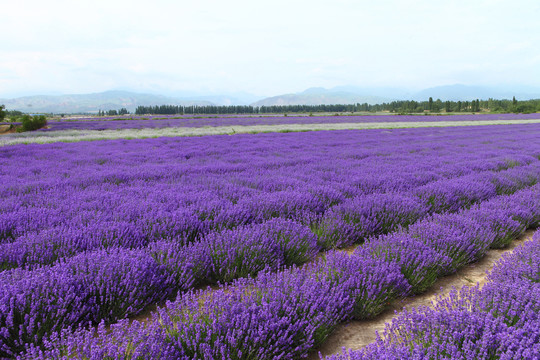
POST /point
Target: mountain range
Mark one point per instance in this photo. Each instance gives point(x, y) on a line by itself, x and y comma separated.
point(113, 100)
point(91, 103)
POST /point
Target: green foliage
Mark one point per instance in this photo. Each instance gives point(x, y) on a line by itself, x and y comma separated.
point(2, 112)
point(31, 123)
point(524, 108)
point(400, 106)
point(447, 106)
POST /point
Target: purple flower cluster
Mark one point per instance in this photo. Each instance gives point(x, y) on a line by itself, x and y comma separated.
point(289, 313)
point(163, 121)
point(88, 288)
point(499, 321)
point(111, 284)
point(242, 252)
point(354, 220)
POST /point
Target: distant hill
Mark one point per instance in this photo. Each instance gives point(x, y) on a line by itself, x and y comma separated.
point(354, 94)
point(460, 92)
point(320, 96)
point(347, 94)
point(92, 103)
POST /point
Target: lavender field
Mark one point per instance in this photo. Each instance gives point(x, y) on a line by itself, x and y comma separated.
point(160, 122)
point(95, 233)
point(156, 127)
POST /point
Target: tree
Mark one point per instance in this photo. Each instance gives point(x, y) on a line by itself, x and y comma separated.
point(430, 106)
point(514, 101)
point(447, 106)
point(30, 123)
point(2, 112)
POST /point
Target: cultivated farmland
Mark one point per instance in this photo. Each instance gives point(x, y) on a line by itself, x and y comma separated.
point(139, 127)
point(95, 233)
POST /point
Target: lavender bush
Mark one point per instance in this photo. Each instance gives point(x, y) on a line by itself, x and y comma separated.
point(246, 251)
point(371, 283)
point(420, 264)
point(105, 285)
point(354, 220)
point(457, 236)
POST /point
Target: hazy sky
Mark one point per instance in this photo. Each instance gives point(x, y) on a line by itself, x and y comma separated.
point(264, 48)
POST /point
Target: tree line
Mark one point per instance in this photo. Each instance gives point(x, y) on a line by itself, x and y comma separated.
point(401, 106)
point(122, 111)
point(398, 107)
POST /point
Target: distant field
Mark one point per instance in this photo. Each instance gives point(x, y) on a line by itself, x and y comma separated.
point(163, 121)
point(86, 130)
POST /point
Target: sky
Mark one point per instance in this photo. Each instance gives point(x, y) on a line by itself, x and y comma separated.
point(264, 47)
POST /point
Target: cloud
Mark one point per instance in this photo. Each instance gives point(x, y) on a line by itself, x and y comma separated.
point(264, 47)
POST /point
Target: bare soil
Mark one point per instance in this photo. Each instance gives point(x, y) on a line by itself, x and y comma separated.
point(5, 129)
point(356, 334)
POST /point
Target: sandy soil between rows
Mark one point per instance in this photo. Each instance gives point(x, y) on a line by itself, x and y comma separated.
point(357, 334)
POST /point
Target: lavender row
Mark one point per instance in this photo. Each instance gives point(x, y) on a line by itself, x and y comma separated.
point(499, 321)
point(289, 313)
point(79, 185)
point(243, 252)
point(143, 205)
point(218, 257)
point(349, 222)
point(159, 122)
point(442, 243)
point(357, 219)
point(111, 284)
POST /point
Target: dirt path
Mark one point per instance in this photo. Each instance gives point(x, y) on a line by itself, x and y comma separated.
point(357, 334)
